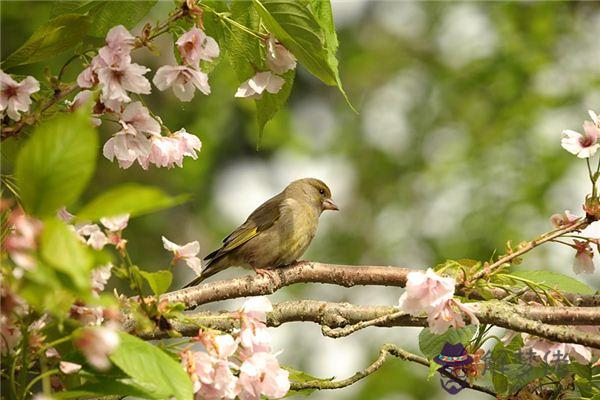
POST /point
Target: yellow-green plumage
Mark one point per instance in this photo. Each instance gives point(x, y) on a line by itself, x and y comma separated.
point(277, 233)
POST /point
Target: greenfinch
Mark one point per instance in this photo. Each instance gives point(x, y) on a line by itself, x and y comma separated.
point(276, 234)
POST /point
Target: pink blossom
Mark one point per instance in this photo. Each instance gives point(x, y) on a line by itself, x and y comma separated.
point(22, 239)
point(220, 346)
point(184, 80)
point(186, 252)
point(564, 219)
point(100, 276)
point(450, 314)
point(79, 100)
point(165, 151)
point(595, 118)
point(583, 262)
point(253, 334)
point(87, 78)
point(119, 39)
point(195, 45)
point(116, 223)
point(426, 292)
point(122, 77)
point(279, 59)
point(64, 215)
point(262, 81)
point(190, 144)
point(257, 308)
point(211, 377)
point(261, 375)
point(16, 97)
point(582, 145)
point(93, 236)
point(68, 368)
point(97, 344)
point(127, 146)
point(137, 118)
point(549, 352)
point(87, 316)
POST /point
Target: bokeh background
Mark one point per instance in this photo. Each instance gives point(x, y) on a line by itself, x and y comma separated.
point(455, 150)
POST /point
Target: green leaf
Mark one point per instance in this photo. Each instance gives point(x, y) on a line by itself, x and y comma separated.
point(246, 54)
point(61, 249)
point(58, 35)
point(322, 11)
point(555, 281)
point(301, 376)
point(57, 162)
point(294, 25)
point(158, 281)
point(106, 14)
point(150, 367)
point(104, 387)
point(431, 344)
point(129, 198)
point(70, 6)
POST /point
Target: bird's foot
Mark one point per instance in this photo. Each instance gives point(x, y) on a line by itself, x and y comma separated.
point(266, 272)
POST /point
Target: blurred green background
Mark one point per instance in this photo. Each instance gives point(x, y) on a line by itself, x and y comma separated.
point(455, 151)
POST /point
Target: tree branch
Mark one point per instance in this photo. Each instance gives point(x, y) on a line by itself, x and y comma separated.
point(342, 319)
point(386, 350)
point(334, 274)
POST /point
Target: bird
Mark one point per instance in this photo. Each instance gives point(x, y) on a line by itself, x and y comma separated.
point(276, 234)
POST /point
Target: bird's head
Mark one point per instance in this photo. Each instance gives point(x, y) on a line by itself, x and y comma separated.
point(316, 192)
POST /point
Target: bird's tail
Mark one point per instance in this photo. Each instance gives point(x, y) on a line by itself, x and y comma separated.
point(212, 267)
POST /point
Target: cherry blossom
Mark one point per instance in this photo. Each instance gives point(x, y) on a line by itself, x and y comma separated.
point(186, 252)
point(583, 262)
point(549, 352)
point(564, 219)
point(211, 377)
point(262, 81)
point(261, 375)
point(425, 292)
point(127, 146)
point(183, 79)
point(10, 335)
point(87, 316)
point(190, 144)
point(96, 344)
point(69, 368)
point(118, 79)
point(257, 308)
point(253, 334)
point(450, 314)
point(595, 118)
point(195, 45)
point(116, 223)
point(119, 39)
point(22, 239)
point(279, 59)
point(136, 118)
point(93, 236)
point(15, 97)
point(220, 346)
point(582, 145)
point(100, 276)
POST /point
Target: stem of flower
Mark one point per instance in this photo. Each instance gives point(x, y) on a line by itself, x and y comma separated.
point(37, 379)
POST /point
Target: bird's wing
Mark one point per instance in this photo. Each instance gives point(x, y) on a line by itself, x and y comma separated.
point(260, 220)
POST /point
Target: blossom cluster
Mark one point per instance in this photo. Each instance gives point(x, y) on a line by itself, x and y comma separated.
point(140, 139)
point(583, 145)
point(431, 294)
point(239, 365)
point(279, 60)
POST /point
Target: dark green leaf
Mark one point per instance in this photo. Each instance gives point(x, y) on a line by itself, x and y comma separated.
point(106, 14)
point(104, 387)
point(58, 35)
point(152, 368)
point(57, 162)
point(158, 281)
point(555, 280)
point(70, 6)
point(294, 25)
point(130, 198)
point(61, 249)
point(431, 344)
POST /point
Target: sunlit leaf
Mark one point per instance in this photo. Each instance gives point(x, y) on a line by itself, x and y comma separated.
point(158, 281)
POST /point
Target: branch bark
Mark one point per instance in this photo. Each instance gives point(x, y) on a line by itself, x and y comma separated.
point(342, 319)
point(334, 274)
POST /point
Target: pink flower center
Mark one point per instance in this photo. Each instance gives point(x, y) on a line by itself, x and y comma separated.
point(10, 91)
point(587, 141)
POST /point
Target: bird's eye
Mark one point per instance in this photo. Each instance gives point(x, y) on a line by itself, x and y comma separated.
point(322, 191)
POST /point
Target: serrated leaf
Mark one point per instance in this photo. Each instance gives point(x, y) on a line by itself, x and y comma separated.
point(158, 281)
point(57, 162)
point(431, 344)
point(554, 280)
point(294, 25)
point(151, 367)
point(56, 36)
point(130, 198)
point(106, 14)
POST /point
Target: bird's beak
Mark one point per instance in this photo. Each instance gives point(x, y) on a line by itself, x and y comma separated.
point(328, 204)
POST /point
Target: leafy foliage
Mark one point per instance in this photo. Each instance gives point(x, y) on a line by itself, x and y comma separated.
point(57, 162)
point(431, 344)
